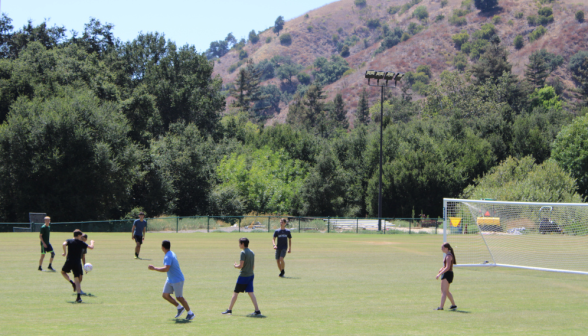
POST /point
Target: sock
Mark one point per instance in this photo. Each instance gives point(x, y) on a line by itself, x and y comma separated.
point(179, 307)
point(72, 282)
point(79, 298)
point(49, 264)
point(283, 271)
point(136, 254)
point(190, 312)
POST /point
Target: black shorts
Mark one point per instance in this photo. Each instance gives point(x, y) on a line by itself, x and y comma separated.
point(448, 276)
point(139, 239)
point(48, 249)
point(75, 267)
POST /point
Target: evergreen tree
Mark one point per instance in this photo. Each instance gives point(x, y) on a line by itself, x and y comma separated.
point(279, 25)
point(485, 5)
point(537, 70)
point(247, 90)
point(363, 109)
point(339, 112)
point(492, 64)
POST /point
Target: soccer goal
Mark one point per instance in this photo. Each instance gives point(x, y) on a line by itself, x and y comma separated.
point(538, 236)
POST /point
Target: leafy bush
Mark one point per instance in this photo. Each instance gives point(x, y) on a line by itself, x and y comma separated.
point(444, 3)
point(485, 5)
point(420, 13)
point(393, 10)
point(460, 38)
point(373, 23)
point(360, 3)
point(268, 39)
point(577, 62)
point(460, 61)
point(242, 54)
point(457, 18)
point(326, 72)
point(253, 37)
point(232, 68)
point(496, 19)
point(265, 69)
point(580, 16)
point(532, 20)
point(425, 69)
point(304, 78)
point(335, 38)
point(414, 28)
point(519, 15)
point(519, 42)
point(439, 18)
point(545, 11)
point(544, 20)
point(537, 33)
point(285, 39)
point(309, 28)
point(405, 37)
point(345, 51)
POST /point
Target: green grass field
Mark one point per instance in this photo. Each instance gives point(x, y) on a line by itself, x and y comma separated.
point(343, 284)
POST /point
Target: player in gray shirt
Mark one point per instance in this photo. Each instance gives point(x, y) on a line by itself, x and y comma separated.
point(138, 232)
point(245, 280)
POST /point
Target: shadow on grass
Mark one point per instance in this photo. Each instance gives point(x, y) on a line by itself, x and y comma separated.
point(87, 294)
point(461, 311)
point(82, 303)
point(182, 321)
point(145, 259)
point(293, 278)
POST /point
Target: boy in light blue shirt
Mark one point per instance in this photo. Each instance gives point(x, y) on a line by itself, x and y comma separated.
point(174, 282)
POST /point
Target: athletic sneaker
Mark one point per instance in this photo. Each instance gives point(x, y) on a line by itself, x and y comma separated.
point(79, 300)
point(50, 268)
point(281, 275)
point(73, 284)
point(227, 312)
point(189, 316)
point(453, 307)
point(180, 311)
point(256, 313)
point(438, 308)
point(40, 269)
point(136, 257)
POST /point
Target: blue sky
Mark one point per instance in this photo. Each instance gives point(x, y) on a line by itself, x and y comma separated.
point(193, 22)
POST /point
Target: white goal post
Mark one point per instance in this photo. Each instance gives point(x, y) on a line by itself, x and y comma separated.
point(530, 235)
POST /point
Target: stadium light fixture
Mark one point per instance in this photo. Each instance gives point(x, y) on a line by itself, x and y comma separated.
point(386, 76)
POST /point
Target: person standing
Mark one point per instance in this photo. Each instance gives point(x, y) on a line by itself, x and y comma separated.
point(284, 244)
point(84, 252)
point(446, 275)
point(44, 234)
point(138, 232)
point(245, 280)
point(73, 262)
point(174, 282)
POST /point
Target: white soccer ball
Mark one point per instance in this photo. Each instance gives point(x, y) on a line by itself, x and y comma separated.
point(88, 267)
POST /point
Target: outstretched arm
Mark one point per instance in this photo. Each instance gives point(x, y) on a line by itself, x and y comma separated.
point(159, 269)
point(91, 246)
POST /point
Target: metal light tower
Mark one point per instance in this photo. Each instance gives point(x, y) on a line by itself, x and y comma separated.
point(385, 76)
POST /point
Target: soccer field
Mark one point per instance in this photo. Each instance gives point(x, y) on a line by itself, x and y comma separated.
point(336, 284)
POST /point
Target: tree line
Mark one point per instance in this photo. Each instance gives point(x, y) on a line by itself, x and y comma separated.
point(96, 128)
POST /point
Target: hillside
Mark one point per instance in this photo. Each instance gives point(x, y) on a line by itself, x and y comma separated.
point(312, 37)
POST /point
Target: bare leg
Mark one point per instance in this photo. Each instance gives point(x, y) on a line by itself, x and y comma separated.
point(254, 300)
point(81, 278)
point(138, 248)
point(170, 299)
point(449, 295)
point(184, 303)
point(444, 290)
point(277, 262)
point(282, 264)
point(50, 261)
point(78, 285)
point(233, 300)
point(65, 276)
point(43, 257)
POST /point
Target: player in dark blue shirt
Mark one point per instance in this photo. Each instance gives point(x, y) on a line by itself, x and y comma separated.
point(284, 244)
point(138, 232)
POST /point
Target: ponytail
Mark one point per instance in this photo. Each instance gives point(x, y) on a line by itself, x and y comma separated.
point(446, 245)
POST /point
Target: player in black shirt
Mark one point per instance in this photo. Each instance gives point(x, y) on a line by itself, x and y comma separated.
point(73, 263)
point(284, 243)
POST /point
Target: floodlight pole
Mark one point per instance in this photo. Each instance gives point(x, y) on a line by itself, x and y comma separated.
point(381, 137)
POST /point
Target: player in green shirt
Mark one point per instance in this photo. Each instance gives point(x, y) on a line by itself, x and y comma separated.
point(45, 245)
point(245, 279)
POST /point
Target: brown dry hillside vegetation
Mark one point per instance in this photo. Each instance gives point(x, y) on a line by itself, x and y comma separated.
point(312, 37)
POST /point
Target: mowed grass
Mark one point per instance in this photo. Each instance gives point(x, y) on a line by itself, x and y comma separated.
point(338, 284)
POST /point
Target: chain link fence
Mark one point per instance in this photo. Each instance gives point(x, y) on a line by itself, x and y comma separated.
point(306, 224)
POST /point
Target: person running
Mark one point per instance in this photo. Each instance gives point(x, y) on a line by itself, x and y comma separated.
point(45, 245)
point(138, 232)
point(73, 262)
point(245, 280)
point(284, 244)
point(174, 282)
point(446, 275)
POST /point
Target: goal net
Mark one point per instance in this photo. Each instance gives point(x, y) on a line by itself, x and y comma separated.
point(540, 236)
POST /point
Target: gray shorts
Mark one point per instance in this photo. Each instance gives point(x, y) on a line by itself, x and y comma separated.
point(281, 253)
point(177, 287)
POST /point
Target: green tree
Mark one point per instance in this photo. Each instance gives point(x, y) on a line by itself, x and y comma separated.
point(524, 180)
point(308, 110)
point(537, 70)
point(570, 151)
point(363, 110)
point(485, 5)
point(286, 39)
point(247, 88)
point(420, 13)
point(580, 16)
point(253, 37)
point(279, 25)
point(286, 71)
point(339, 112)
point(519, 42)
point(492, 64)
point(326, 72)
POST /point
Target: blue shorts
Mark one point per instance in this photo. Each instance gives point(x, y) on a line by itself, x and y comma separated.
point(281, 253)
point(244, 284)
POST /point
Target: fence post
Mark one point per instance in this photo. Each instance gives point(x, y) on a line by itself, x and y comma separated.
point(239, 224)
point(328, 224)
point(177, 224)
point(437, 224)
point(409, 225)
point(384, 226)
point(356, 224)
point(208, 224)
point(298, 224)
point(268, 223)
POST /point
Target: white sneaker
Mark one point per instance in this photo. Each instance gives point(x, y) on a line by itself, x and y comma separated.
point(180, 311)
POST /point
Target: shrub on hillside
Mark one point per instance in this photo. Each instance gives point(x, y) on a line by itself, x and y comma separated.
point(373, 23)
point(405, 37)
point(345, 51)
point(425, 69)
point(393, 10)
point(460, 61)
point(444, 3)
point(326, 72)
point(303, 78)
point(360, 3)
point(242, 54)
point(253, 37)
point(580, 16)
point(420, 13)
point(439, 18)
point(496, 19)
point(576, 63)
point(232, 68)
point(457, 18)
point(485, 32)
point(414, 28)
point(485, 5)
point(519, 15)
point(285, 39)
point(537, 33)
point(460, 39)
point(532, 20)
point(519, 42)
point(268, 39)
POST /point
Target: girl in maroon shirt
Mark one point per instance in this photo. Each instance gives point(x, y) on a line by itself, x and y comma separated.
point(446, 275)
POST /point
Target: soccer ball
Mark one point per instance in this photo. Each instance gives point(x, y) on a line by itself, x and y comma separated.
point(88, 267)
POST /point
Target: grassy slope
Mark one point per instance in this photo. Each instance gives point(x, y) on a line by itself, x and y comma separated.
point(433, 46)
point(340, 284)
